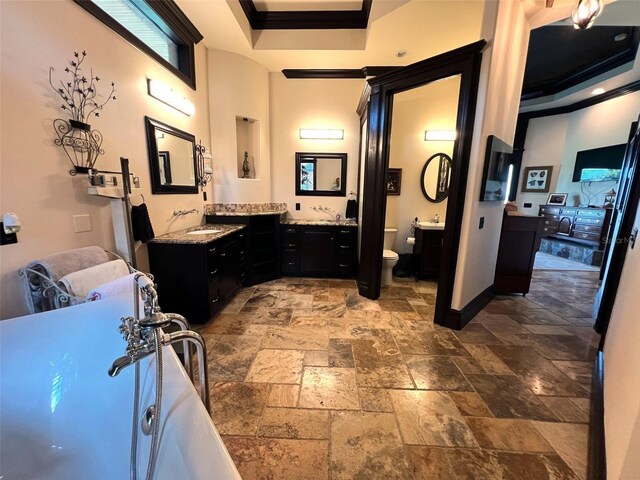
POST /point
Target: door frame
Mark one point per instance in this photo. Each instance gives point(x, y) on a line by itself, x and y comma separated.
point(626, 206)
point(464, 61)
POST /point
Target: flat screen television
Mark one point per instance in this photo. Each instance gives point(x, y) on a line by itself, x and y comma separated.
point(599, 164)
point(496, 170)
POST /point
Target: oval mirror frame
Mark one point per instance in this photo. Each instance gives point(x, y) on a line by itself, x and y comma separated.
point(444, 193)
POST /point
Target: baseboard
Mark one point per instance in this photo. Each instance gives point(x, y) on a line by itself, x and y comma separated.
point(597, 460)
point(457, 319)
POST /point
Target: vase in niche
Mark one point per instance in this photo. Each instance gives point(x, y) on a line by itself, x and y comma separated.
point(246, 167)
point(81, 144)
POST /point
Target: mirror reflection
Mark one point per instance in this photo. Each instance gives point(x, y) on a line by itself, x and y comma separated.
point(172, 158)
point(435, 177)
point(321, 174)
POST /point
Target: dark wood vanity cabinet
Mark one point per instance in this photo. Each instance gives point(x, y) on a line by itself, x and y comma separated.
point(318, 250)
point(519, 242)
point(428, 248)
point(197, 280)
point(262, 234)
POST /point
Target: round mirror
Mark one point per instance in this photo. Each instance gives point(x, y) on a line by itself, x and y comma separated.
point(434, 180)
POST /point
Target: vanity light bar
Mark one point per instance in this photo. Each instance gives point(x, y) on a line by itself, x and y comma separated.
point(166, 95)
point(321, 134)
point(446, 135)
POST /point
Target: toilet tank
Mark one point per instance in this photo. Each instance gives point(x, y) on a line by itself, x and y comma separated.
point(389, 237)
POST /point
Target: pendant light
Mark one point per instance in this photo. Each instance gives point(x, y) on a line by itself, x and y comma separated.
point(585, 13)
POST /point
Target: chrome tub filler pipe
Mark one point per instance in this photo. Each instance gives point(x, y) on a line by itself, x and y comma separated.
point(144, 337)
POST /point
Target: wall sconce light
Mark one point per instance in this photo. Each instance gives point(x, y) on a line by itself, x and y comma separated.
point(440, 135)
point(203, 164)
point(165, 94)
point(321, 134)
point(585, 13)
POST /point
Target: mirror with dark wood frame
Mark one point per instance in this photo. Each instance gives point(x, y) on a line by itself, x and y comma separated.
point(172, 158)
point(435, 177)
point(321, 174)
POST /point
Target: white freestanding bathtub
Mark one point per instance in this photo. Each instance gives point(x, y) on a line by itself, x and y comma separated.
point(63, 417)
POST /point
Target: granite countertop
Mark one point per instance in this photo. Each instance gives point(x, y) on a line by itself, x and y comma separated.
point(341, 223)
point(183, 236)
point(245, 214)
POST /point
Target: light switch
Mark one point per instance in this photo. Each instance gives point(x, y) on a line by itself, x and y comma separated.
point(81, 223)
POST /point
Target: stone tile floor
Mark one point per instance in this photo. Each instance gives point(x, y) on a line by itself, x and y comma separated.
point(311, 381)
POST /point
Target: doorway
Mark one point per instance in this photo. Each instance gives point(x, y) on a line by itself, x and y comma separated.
point(464, 63)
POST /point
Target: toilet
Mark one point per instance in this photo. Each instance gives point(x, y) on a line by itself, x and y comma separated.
point(389, 257)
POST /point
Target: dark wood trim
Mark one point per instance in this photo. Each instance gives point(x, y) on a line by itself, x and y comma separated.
point(341, 73)
point(458, 319)
point(374, 71)
point(323, 73)
point(464, 61)
point(170, 19)
point(363, 104)
point(620, 232)
point(586, 73)
point(587, 102)
point(306, 20)
point(597, 457)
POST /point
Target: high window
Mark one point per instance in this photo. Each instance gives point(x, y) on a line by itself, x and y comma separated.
point(159, 28)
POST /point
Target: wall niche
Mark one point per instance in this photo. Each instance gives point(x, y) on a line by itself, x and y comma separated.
point(248, 147)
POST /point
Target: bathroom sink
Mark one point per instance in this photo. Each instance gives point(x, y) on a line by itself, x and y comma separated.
point(431, 226)
point(203, 232)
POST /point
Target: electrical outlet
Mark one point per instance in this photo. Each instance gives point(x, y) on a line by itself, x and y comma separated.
point(297, 206)
point(81, 223)
point(481, 225)
point(527, 205)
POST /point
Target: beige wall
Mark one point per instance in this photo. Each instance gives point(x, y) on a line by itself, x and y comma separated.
point(239, 87)
point(301, 103)
point(621, 367)
point(34, 179)
point(556, 140)
point(430, 107)
point(497, 109)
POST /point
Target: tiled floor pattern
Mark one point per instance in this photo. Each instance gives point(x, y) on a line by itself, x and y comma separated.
point(311, 381)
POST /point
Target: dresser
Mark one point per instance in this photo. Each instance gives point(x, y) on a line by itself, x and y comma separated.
point(580, 224)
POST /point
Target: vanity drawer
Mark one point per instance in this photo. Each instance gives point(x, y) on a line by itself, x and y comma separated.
point(568, 211)
point(591, 213)
point(290, 264)
point(589, 221)
point(596, 229)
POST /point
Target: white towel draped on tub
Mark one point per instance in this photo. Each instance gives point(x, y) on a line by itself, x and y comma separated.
point(80, 283)
point(116, 287)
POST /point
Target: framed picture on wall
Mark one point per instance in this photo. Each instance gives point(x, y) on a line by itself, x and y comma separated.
point(537, 179)
point(394, 181)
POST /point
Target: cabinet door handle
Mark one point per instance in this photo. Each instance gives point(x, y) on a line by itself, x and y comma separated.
point(290, 230)
point(241, 235)
point(291, 263)
point(343, 265)
point(291, 244)
point(214, 272)
point(213, 250)
point(241, 252)
point(215, 300)
point(345, 231)
point(345, 246)
point(222, 255)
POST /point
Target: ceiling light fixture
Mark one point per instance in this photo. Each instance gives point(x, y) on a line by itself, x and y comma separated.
point(321, 134)
point(585, 13)
point(440, 135)
point(598, 91)
point(165, 94)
